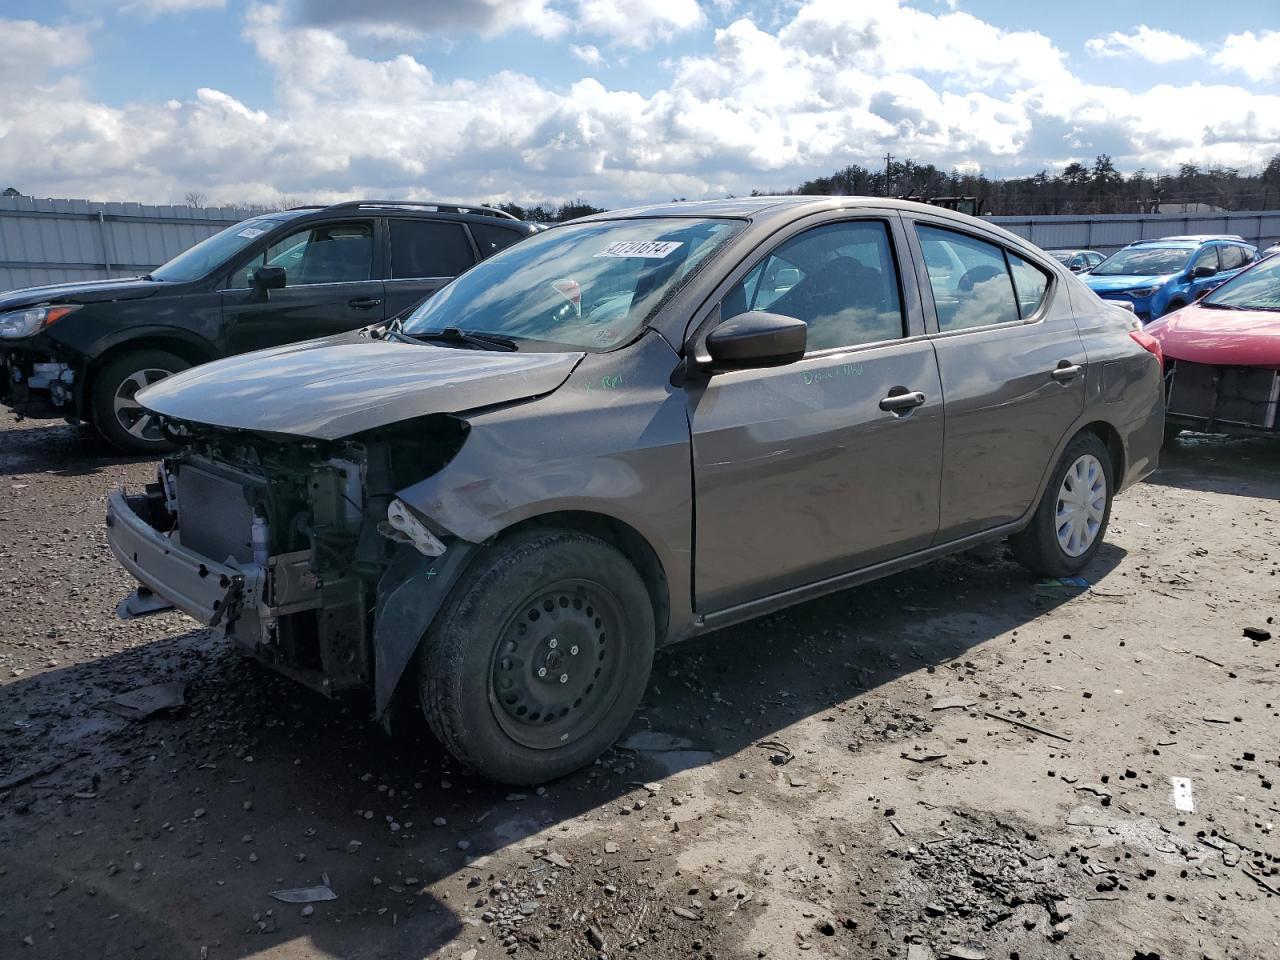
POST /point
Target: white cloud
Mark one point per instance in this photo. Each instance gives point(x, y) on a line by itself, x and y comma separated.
point(628, 23)
point(1257, 56)
point(30, 50)
point(763, 108)
point(156, 8)
point(587, 53)
point(1146, 43)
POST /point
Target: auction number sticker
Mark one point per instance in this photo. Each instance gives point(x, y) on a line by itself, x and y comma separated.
point(250, 233)
point(647, 249)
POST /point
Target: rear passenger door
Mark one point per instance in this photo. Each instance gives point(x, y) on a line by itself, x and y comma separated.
point(423, 256)
point(1012, 369)
point(333, 283)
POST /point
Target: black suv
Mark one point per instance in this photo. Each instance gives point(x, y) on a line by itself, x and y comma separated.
point(86, 348)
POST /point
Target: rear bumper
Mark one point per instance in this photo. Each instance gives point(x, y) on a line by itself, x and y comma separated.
point(203, 589)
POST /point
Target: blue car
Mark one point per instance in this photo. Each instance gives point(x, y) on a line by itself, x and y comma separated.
point(1160, 276)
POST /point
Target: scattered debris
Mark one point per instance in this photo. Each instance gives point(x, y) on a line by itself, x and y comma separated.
point(1257, 634)
point(143, 702)
point(1028, 726)
point(781, 752)
point(951, 703)
point(1181, 794)
point(305, 894)
point(140, 603)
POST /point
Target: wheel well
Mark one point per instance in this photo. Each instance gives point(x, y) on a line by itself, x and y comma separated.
point(628, 541)
point(189, 352)
point(1115, 447)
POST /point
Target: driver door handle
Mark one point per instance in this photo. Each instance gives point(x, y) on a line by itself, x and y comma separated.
point(897, 402)
point(364, 303)
point(1066, 370)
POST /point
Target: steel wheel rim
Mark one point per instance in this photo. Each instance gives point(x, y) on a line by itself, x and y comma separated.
point(1082, 504)
point(543, 694)
point(130, 415)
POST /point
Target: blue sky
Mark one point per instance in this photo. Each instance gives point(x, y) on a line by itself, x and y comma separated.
point(612, 100)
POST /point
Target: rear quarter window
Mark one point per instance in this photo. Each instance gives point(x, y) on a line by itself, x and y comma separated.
point(491, 238)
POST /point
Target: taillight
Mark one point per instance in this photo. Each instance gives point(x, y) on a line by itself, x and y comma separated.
point(1149, 343)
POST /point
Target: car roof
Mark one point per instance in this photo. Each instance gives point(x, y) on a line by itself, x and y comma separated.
point(1187, 240)
point(794, 206)
point(434, 209)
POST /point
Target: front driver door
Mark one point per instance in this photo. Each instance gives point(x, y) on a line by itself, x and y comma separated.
point(333, 283)
point(799, 472)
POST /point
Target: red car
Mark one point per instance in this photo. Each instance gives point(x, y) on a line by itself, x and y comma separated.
point(1222, 356)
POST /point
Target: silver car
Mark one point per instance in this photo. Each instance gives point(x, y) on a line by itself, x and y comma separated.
point(631, 430)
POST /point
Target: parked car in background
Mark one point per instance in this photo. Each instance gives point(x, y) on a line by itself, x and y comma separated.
point(1160, 276)
point(1077, 261)
point(85, 349)
point(1270, 251)
point(630, 430)
point(1222, 356)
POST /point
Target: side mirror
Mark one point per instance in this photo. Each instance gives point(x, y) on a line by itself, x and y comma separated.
point(1199, 273)
point(269, 278)
point(756, 339)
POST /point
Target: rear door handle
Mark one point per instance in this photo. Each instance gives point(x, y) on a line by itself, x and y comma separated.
point(364, 303)
point(1066, 370)
point(897, 402)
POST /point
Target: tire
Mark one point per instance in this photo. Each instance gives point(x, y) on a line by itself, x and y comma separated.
point(1170, 307)
point(540, 600)
point(116, 415)
point(1038, 547)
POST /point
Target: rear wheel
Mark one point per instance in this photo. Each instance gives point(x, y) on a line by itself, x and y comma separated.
point(116, 411)
point(1171, 307)
point(539, 658)
point(1068, 526)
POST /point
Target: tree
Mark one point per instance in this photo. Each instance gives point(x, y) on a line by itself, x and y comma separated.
point(195, 198)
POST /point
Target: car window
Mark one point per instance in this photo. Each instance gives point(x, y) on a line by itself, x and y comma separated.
point(1095, 259)
point(840, 279)
point(1077, 261)
point(1208, 257)
point(1248, 255)
point(331, 253)
point(1030, 283)
point(491, 238)
point(1232, 257)
point(429, 248)
point(970, 281)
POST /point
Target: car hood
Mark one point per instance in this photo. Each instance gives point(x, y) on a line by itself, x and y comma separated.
point(83, 291)
point(1120, 282)
point(1234, 338)
point(339, 386)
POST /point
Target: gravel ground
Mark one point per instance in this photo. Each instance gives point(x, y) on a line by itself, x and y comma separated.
point(956, 762)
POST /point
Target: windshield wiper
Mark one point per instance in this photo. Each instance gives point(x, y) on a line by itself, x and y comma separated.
point(1222, 306)
point(485, 341)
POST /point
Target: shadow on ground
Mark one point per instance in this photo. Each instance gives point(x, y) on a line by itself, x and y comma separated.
point(166, 835)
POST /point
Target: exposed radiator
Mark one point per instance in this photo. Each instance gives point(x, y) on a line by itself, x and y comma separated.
point(215, 515)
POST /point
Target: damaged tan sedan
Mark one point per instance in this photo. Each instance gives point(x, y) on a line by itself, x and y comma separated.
point(628, 431)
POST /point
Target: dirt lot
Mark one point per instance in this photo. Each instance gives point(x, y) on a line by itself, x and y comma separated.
point(955, 762)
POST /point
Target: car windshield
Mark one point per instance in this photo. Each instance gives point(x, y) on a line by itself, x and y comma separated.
point(1255, 289)
point(586, 286)
point(208, 254)
point(1144, 262)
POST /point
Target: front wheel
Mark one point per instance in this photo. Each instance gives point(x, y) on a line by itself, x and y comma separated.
point(539, 658)
point(1068, 526)
point(116, 411)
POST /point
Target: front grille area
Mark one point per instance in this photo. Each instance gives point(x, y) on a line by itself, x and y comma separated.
point(215, 515)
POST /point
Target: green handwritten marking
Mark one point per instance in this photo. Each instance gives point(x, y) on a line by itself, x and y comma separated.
point(608, 382)
point(830, 373)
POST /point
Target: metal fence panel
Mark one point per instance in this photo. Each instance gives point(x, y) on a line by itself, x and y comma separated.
point(1108, 233)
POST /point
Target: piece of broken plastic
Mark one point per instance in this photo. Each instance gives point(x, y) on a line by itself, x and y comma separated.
point(305, 894)
point(140, 603)
point(1062, 583)
point(142, 702)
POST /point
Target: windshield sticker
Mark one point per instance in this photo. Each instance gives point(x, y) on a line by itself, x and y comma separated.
point(250, 233)
point(646, 249)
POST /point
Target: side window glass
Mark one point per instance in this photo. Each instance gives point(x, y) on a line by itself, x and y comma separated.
point(1232, 258)
point(1208, 257)
point(840, 279)
point(1095, 259)
point(1248, 255)
point(490, 239)
point(970, 281)
point(428, 248)
point(333, 253)
point(1077, 262)
point(1029, 282)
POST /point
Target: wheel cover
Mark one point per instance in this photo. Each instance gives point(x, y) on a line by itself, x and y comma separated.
point(1082, 503)
point(131, 416)
point(557, 665)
